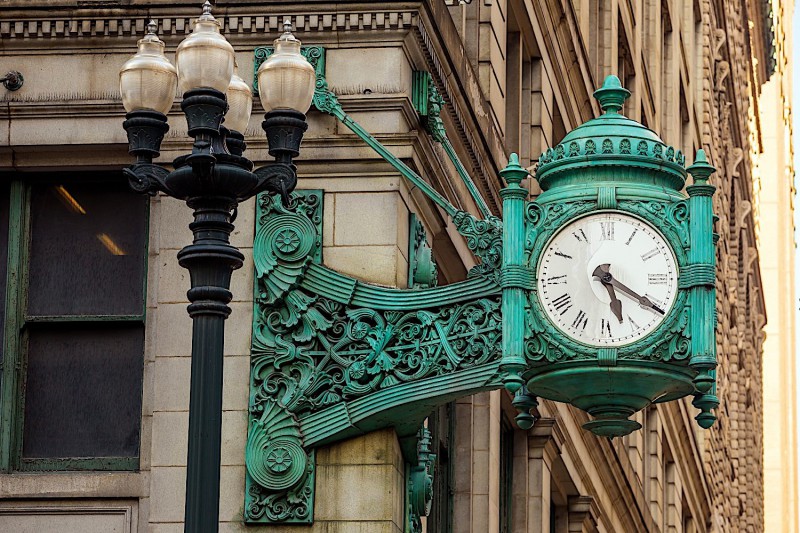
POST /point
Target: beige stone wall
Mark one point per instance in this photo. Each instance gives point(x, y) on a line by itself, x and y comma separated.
point(777, 250)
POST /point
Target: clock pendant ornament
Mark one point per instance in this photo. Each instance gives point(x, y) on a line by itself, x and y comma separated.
point(622, 309)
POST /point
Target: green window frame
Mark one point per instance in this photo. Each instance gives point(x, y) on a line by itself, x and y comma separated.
point(18, 324)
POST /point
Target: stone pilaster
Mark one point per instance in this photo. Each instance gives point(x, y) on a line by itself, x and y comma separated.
point(544, 446)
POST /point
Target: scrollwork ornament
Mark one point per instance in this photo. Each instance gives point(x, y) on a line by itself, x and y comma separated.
point(543, 219)
point(420, 482)
point(147, 178)
point(279, 471)
point(484, 238)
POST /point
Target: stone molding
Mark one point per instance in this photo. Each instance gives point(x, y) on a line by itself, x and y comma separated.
point(545, 440)
point(582, 514)
point(232, 24)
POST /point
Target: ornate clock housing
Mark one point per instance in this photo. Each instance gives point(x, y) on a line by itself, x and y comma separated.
point(607, 279)
point(622, 301)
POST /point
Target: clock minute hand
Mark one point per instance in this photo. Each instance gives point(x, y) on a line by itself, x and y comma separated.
point(643, 300)
point(616, 304)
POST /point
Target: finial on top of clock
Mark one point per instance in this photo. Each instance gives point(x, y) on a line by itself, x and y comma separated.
point(701, 169)
point(612, 95)
point(514, 173)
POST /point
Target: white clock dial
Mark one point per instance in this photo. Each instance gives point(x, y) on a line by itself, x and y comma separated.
point(607, 279)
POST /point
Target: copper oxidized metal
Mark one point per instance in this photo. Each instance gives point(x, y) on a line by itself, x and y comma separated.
point(334, 357)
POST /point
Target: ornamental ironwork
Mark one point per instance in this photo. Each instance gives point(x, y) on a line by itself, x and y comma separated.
point(599, 293)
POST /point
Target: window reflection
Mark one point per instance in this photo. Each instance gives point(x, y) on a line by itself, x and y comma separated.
point(87, 250)
point(68, 200)
point(110, 245)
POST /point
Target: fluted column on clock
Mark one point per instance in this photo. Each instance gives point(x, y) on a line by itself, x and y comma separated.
point(516, 279)
point(699, 276)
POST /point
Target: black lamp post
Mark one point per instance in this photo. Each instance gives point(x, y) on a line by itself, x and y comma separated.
point(212, 179)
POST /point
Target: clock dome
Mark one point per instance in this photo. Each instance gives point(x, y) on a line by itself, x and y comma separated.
point(612, 147)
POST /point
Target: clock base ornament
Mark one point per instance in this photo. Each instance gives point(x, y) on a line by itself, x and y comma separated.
point(611, 394)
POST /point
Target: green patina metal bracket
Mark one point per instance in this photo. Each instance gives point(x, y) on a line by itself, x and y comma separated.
point(314, 54)
point(429, 104)
point(419, 485)
point(422, 270)
point(334, 357)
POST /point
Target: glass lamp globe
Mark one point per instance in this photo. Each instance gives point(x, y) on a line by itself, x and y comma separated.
point(205, 58)
point(147, 80)
point(286, 80)
point(240, 103)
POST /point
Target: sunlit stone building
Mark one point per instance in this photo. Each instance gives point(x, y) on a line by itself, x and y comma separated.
point(96, 339)
point(774, 204)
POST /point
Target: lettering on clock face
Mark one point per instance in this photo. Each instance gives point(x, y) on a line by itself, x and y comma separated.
point(607, 279)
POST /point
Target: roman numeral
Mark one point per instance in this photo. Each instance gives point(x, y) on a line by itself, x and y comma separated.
point(581, 236)
point(605, 328)
point(580, 321)
point(656, 279)
point(557, 280)
point(607, 230)
point(634, 325)
point(562, 254)
point(563, 303)
point(631, 237)
point(648, 255)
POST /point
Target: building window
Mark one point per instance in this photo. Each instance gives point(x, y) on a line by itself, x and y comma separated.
point(441, 425)
point(74, 323)
point(506, 474)
point(4, 198)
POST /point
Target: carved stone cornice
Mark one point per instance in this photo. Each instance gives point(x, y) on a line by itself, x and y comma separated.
point(121, 22)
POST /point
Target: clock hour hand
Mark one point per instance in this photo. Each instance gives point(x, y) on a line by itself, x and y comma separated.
point(616, 305)
point(607, 279)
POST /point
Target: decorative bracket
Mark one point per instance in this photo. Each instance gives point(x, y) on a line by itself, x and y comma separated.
point(419, 483)
point(429, 103)
point(334, 357)
point(422, 270)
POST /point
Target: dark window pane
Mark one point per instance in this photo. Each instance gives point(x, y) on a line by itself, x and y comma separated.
point(441, 424)
point(87, 250)
point(83, 393)
point(506, 473)
point(4, 207)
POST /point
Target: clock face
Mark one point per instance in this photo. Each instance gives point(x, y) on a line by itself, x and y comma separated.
point(607, 279)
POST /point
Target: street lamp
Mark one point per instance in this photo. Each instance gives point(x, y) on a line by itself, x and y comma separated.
point(212, 179)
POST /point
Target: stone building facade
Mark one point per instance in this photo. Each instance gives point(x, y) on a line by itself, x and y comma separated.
point(517, 76)
point(774, 185)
